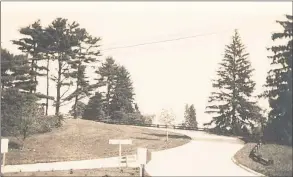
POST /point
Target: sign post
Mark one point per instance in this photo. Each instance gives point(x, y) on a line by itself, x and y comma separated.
point(143, 157)
point(120, 142)
point(4, 149)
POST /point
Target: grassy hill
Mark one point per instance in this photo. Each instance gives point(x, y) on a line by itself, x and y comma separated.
point(83, 140)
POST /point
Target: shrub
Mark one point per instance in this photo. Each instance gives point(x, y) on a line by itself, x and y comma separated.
point(46, 124)
point(19, 113)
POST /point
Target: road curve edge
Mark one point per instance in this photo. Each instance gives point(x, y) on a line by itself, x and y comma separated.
point(246, 168)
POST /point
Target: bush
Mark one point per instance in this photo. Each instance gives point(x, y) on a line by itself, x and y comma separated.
point(19, 113)
point(46, 124)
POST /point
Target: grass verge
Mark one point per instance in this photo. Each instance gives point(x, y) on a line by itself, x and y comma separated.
point(84, 140)
point(281, 154)
point(103, 172)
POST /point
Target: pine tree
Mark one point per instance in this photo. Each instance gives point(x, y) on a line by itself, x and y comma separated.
point(191, 117)
point(186, 115)
point(122, 100)
point(94, 108)
point(86, 53)
point(279, 86)
point(78, 109)
point(136, 108)
point(231, 105)
point(31, 45)
point(63, 41)
point(15, 72)
point(106, 74)
point(47, 44)
point(7, 61)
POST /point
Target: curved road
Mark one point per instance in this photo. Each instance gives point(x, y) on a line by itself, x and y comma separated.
point(205, 155)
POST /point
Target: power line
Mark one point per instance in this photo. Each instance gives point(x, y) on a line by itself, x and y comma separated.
point(163, 41)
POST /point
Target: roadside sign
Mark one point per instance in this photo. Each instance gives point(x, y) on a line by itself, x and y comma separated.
point(117, 141)
point(4, 145)
point(143, 156)
point(4, 149)
point(120, 142)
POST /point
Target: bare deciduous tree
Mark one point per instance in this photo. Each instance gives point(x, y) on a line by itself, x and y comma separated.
point(167, 117)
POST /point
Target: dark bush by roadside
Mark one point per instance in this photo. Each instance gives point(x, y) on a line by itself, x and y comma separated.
point(280, 154)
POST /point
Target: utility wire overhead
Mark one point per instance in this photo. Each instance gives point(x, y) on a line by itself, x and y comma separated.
point(162, 41)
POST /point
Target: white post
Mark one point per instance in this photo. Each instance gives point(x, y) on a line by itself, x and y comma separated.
point(4, 149)
point(3, 163)
point(120, 158)
point(167, 134)
point(140, 171)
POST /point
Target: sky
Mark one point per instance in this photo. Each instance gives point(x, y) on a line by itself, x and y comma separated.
point(165, 75)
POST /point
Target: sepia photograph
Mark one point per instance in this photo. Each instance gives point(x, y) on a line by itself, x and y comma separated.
point(146, 88)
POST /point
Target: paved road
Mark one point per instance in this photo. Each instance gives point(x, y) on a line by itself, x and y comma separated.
point(205, 155)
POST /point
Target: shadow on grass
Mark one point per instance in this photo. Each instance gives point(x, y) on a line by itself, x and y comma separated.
point(151, 139)
point(14, 145)
point(170, 135)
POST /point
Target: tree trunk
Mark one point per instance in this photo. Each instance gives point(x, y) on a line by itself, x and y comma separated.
point(35, 78)
point(108, 98)
point(74, 107)
point(167, 134)
point(47, 99)
point(58, 87)
point(76, 97)
point(32, 77)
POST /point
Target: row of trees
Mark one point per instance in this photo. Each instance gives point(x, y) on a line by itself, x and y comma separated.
point(67, 44)
point(115, 98)
point(62, 52)
point(233, 105)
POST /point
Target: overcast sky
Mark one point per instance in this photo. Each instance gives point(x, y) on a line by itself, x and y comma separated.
point(165, 75)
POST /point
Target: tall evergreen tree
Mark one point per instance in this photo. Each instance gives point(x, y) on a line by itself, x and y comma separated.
point(106, 74)
point(86, 53)
point(279, 85)
point(47, 45)
point(136, 108)
point(19, 108)
point(77, 110)
point(63, 40)
point(94, 108)
point(7, 62)
point(123, 92)
point(190, 116)
point(186, 114)
point(231, 105)
point(15, 72)
point(31, 45)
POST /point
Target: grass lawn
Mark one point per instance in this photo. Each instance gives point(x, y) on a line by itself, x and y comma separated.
point(83, 140)
point(281, 154)
point(94, 172)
